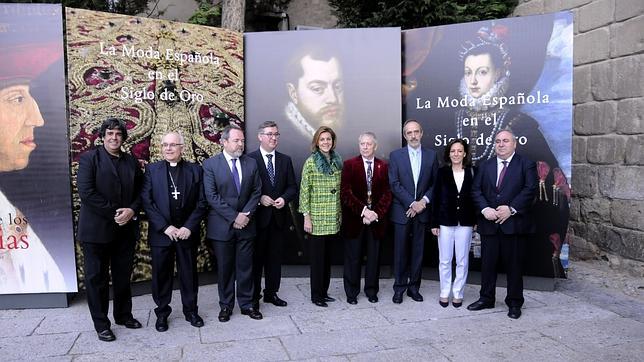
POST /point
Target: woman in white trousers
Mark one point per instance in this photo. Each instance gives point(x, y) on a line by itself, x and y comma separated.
point(453, 220)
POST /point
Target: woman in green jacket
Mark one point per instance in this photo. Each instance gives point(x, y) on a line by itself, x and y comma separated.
point(320, 204)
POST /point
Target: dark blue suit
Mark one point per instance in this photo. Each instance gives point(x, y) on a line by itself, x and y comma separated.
point(408, 266)
point(190, 212)
point(272, 223)
point(233, 247)
point(505, 241)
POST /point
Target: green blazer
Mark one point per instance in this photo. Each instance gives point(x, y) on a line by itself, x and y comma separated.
point(320, 198)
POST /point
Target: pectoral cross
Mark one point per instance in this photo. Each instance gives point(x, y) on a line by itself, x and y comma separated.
point(175, 194)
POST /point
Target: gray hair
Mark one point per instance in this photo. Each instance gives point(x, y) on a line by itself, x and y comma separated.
point(266, 124)
point(225, 134)
point(181, 139)
point(368, 134)
point(514, 137)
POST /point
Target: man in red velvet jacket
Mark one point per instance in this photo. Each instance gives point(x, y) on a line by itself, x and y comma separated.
point(366, 197)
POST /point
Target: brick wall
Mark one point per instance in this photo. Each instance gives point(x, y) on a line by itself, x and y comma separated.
point(607, 210)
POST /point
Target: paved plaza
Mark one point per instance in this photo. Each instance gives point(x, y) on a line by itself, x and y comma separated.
point(585, 318)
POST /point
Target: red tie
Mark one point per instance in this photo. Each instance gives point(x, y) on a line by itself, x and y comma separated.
point(505, 167)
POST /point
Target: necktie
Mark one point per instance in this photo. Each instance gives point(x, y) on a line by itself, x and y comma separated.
point(369, 178)
point(502, 174)
point(369, 175)
point(415, 169)
point(236, 175)
point(270, 169)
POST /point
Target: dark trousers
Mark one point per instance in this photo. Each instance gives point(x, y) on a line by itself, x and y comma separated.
point(352, 264)
point(510, 249)
point(234, 263)
point(320, 266)
point(268, 259)
point(163, 258)
point(99, 258)
point(409, 245)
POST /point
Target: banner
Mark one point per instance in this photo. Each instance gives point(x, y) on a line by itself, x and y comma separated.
point(346, 79)
point(36, 235)
point(472, 80)
point(159, 76)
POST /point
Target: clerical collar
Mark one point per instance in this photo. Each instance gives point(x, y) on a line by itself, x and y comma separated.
point(174, 164)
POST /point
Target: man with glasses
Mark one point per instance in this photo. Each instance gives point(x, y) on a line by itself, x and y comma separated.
point(278, 189)
point(174, 202)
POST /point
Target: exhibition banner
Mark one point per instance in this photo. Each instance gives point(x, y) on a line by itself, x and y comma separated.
point(158, 76)
point(346, 79)
point(36, 233)
point(472, 80)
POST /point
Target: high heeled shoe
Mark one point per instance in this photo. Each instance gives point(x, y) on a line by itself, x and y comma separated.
point(457, 303)
point(444, 302)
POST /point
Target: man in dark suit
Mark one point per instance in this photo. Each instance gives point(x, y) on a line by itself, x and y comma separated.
point(173, 201)
point(233, 188)
point(278, 189)
point(412, 172)
point(503, 191)
point(109, 185)
point(366, 198)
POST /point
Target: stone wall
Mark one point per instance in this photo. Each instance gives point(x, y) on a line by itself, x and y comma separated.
point(311, 13)
point(607, 210)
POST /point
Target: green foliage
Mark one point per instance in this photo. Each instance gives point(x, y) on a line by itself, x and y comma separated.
point(206, 14)
point(409, 14)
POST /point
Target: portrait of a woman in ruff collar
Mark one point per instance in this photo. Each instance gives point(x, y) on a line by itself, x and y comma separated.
point(473, 80)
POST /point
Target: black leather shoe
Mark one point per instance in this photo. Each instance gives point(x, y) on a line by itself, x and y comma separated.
point(329, 299)
point(320, 303)
point(161, 324)
point(195, 320)
point(479, 305)
point(130, 323)
point(252, 313)
point(373, 299)
point(397, 298)
point(275, 300)
point(106, 335)
point(352, 300)
point(224, 314)
point(415, 296)
point(442, 303)
point(457, 304)
point(514, 312)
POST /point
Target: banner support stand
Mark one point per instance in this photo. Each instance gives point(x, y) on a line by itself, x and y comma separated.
point(34, 301)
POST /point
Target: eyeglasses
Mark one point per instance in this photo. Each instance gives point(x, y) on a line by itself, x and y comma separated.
point(276, 135)
point(171, 145)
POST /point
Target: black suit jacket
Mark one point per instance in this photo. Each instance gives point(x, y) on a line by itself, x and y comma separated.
point(101, 193)
point(285, 187)
point(518, 190)
point(224, 200)
point(451, 207)
point(156, 201)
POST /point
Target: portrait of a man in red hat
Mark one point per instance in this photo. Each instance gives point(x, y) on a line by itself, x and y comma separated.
point(27, 265)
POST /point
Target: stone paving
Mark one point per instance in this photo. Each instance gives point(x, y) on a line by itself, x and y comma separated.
point(578, 321)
